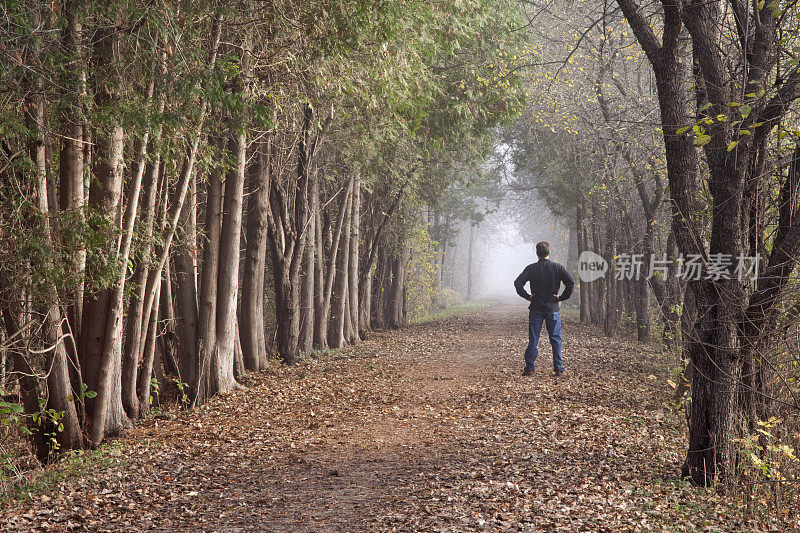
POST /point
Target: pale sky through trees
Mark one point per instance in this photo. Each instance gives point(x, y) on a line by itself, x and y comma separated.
point(511, 237)
point(503, 264)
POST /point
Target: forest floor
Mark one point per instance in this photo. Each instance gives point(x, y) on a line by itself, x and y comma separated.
point(431, 428)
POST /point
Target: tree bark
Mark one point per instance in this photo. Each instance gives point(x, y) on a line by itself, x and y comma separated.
point(325, 329)
point(307, 300)
point(71, 168)
point(186, 307)
point(585, 317)
point(221, 378)
point(239, 369)
point(320, 315)
point(144, 383)
point(383, 272)
point(397, 293)
point(164, 302)
point(99, 346)
point(287, 227)
point(26, 377)
point(352, 303)
point(59, 388)
point(207, 300)
point(174, 212)
point(135, 329)
point(336, 336)
point(715, 344)
point(367, 270)
point(251, 316)
point(470, 266)
point(129, 364)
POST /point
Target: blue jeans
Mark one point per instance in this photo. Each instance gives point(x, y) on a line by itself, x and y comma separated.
point(553, 321)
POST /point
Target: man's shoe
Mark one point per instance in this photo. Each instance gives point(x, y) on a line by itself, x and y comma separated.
point(559, 373)
point(527, 372)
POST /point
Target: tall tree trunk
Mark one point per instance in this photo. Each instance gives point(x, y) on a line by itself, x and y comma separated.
point(173, 213)
point(715, 344)
point(186, 308)
point(238, 358)
point(611, 302)
point(336, 336)
point(129, 364)
point(396, 309)
point(251, 316)
point(287, 226)
point(59, 388)
point(381, 288)
point(442, 251)
point(320, 315)
point(144, 383)
point(99, 345)
point(597, 297)
point(26, 376)
point(307, 300)
point(71, 168)
point(221, 371)
point(367, 270)
point(585, 317)
point(642, 305)
point(197, 329)
point(470, 266)
point(352, 282)
point(325, 320)
point(221, 377)
point(287, 300)
point(207, 300)
point(135, 329)
point(365, 304)
point(164, 302)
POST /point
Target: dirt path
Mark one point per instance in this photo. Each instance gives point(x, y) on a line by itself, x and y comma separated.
point(427, 429)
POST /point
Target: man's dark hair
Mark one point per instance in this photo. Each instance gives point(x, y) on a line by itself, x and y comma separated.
point(542, 249)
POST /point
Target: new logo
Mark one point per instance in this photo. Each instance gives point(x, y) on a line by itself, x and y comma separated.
point(591, 266)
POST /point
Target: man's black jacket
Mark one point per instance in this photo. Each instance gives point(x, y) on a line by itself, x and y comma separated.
point(545, 278)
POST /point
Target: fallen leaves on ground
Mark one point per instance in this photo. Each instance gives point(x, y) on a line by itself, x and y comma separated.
point(431, 428)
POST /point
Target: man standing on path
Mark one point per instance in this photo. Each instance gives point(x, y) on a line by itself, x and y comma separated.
point(545, 278)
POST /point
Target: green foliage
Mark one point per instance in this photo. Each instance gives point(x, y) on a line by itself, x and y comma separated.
point(453, 308)
point(406, 102)
point(154, 385)
point(86, 393)
point(422, 276)
point(10, 419)
point(183, 388)
point(73, 464)
point(405, 93)
point(49, 423)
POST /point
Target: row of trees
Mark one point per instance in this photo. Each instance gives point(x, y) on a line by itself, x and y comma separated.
point(591, 154)
point(176, 177)
point(742, 114)
point(672, 130)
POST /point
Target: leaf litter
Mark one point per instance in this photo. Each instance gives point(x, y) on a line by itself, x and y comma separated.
point(430, 428)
